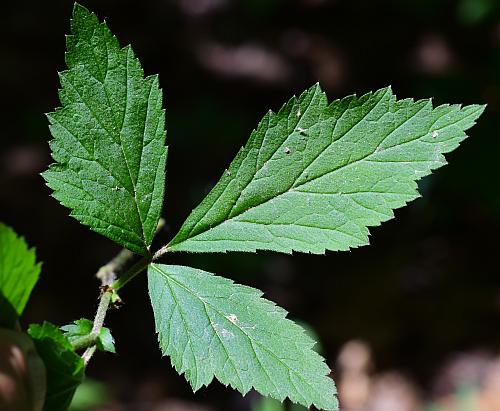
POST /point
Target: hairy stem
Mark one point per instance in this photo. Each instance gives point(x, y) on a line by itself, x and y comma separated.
point(160, 252)
point(100, 315)
point(107, 273)
point(87, 355)
point(110, 283)
point(101, 312)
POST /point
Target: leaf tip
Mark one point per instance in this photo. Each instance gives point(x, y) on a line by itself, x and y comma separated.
point(317, 87)
point(481, 108)
point(79, 10)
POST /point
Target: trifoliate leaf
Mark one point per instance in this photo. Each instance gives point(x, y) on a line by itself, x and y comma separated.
point(83, 327)
point(109, 139)
point(65, 368)
point(315, 176)
point(211, 327)
point(19, 273)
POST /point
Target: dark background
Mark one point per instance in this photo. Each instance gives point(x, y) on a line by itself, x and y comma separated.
point(429, 284)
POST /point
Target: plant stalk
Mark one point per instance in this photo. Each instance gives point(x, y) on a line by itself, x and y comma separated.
point(100, 315)
point(162, 251)
point(136, 269)
point(84, 342)
point(107, 273)
point(110, 283)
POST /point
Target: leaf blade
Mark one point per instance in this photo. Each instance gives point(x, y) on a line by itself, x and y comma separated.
point(314, 176)
point(211, 327)
point(19, 273)
point(108, 137)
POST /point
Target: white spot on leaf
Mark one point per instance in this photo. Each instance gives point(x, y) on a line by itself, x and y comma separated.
point(232, 318)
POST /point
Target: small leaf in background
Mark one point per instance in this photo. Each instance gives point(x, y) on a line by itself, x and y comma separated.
point(19, 273)
point(83, 327)
point(315, 176)
point(89, 395)
point(109, 137)
point(65, 368)
point(473, 12)
point(211, 327)
point(268, 404)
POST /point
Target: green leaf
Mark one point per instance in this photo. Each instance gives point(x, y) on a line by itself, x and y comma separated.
point(77, 329)
point(91, 395)
point(83, 327)
point(19, 273)
point(65, 368)
point(106, 341)
point(211, 327)
point(268, 404)
point(315, 176)
point(109, 139)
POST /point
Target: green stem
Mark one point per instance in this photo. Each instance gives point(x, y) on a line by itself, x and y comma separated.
point(110, 284)
point(101, 312)
point(84, 342)
point(100, 315)
point(136, 269)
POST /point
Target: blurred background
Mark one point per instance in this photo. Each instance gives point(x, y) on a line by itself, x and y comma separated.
point(411, 322)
